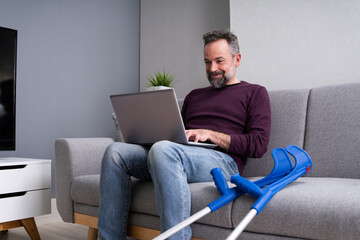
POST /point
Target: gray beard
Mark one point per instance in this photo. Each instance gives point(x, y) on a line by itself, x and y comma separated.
point(218, 83)
point(221, 82)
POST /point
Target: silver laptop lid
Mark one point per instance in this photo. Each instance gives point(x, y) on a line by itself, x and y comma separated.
point(148, 117)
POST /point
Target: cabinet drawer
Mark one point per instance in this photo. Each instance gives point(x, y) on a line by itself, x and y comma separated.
point(30, 204)
point(25, 177)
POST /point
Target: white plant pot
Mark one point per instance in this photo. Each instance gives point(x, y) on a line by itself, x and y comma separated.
point(157, 88)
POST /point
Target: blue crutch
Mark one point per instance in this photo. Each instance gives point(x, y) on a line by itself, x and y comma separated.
point(303, 166)
point(282, 166)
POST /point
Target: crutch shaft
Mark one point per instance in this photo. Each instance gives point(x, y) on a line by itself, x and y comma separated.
point(242, 225)
point(183, 224)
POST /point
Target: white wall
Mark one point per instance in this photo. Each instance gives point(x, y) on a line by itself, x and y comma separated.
point(171, 38)
point(297, 44)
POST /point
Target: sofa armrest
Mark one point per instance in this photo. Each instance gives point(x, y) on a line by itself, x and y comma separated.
point(75, 157)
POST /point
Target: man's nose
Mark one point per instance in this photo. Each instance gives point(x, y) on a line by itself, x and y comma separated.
point(213, 67)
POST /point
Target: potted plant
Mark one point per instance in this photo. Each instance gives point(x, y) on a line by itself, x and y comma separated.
point(161, 80)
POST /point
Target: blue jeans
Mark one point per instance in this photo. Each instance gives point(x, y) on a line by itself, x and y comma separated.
point(170, 166)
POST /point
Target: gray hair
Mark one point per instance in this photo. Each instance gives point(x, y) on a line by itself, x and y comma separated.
point(223, 34)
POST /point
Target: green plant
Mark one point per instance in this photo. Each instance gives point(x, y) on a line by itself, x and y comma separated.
point(161, 79)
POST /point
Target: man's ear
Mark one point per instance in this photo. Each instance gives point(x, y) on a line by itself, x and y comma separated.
point(237, 59)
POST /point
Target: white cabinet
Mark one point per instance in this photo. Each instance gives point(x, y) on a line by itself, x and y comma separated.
point(25, 188)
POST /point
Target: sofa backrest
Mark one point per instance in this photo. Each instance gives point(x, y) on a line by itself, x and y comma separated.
point(332, 136)
point(325, 121)
point(288, 117)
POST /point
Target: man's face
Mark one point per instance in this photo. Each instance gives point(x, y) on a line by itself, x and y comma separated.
point(220, 64)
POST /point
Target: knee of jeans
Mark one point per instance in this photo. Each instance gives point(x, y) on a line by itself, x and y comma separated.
point(161, 150)
point(160, 147)
point(112, 155)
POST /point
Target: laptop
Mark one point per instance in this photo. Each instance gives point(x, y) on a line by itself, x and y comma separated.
point(148, 117)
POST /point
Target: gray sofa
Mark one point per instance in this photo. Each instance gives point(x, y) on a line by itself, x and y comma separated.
point(324, 204)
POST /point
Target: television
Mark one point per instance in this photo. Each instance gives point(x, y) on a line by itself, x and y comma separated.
point(8, 46)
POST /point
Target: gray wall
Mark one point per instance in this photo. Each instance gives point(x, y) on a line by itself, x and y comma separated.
point(171, 38)
point(297, 44)
point(71, 56)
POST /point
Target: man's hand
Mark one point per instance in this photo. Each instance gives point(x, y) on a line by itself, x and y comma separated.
point(202, 135)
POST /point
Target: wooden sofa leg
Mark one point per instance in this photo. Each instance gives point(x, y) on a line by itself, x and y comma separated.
point(92, 234)
point(133, 231)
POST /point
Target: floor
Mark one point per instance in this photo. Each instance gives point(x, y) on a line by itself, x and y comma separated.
point(51, 227)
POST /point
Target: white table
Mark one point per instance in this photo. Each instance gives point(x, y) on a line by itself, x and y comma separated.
point(25, 192)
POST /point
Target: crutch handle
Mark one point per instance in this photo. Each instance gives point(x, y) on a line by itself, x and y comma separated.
point(247, 186)
point(227, 195)
point(219, 180)
point(230, 195)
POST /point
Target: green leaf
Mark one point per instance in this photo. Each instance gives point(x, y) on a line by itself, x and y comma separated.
point(161, 79)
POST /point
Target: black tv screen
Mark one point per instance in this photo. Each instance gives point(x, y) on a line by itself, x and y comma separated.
point(8, 43)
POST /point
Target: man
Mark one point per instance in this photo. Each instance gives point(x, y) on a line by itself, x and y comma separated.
point(233, 114)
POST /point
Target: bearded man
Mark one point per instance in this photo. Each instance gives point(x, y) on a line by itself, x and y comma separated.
point(231, 113)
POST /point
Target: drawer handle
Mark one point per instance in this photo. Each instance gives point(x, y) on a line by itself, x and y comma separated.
point(9, 195)
point(12, 167)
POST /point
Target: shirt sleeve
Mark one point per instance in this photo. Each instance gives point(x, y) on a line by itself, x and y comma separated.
point(254, 141)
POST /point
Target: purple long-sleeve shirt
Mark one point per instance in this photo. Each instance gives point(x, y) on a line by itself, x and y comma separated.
point(241, 110)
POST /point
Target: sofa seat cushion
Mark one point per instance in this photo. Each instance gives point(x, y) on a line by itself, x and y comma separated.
point(314, 208)
point(326, 207)
point(85, 191)
point(143, 201)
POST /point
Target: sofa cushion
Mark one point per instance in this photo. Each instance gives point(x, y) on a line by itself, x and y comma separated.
point(201, 195)
point(333, 130)
point(288, 115)
point(85, 191)
point(326, 207)
point(314, 208)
